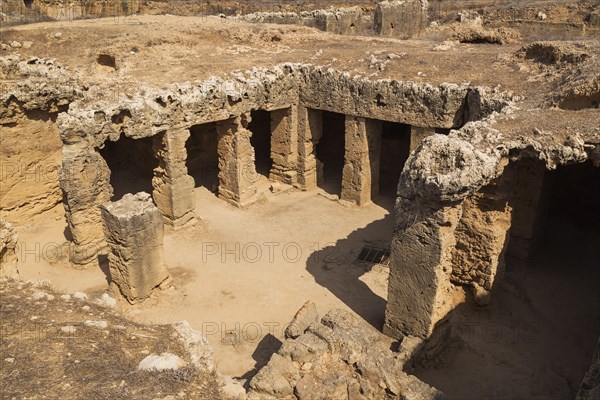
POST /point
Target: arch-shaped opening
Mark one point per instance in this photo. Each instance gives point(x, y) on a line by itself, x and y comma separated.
point(544, 314)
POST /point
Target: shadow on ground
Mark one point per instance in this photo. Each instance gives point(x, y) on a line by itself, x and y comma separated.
point(334, 267)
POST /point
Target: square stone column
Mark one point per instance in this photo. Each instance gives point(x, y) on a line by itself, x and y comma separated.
point(420, 293)
point(360, 178)
point(310, 130)
point(85, 181)
point(134, 229)
point(237, 170)
point(284, 145)
point(173, 187)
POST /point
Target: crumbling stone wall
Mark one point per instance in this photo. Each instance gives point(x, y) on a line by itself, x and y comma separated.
point(397, 18)
point(482, 236)
point(344, 21)
point(18, 11)
point(33, 92)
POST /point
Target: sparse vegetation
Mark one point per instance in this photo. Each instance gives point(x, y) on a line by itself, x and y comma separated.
point(46, 351)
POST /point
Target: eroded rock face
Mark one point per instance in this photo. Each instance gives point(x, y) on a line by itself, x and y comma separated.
point(134, 231)
point(33, 92)
point(345, 21)
point(456, 203)
point(341, 357)
point(8, 254)
point(400, 18)
point(474, 33)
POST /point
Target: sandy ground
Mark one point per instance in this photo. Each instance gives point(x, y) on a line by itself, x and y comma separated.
point(241, 274)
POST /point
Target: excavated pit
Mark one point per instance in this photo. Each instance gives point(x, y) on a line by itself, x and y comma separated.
point(271, 177)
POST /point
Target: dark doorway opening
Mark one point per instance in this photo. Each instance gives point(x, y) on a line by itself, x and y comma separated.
point(131, 163)
point(575, 192)
point(202, 156)
point(395, 148)
point(556, 267)
point(330, 153)
point(545, 311)
point(260, 126)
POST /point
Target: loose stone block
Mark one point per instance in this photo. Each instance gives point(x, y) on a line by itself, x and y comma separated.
point(134, 229)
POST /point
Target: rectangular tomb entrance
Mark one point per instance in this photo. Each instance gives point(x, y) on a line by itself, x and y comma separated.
point(395, 148)
point(132, 163)
point(260, 126)
point(202, 157)
point(330, 153)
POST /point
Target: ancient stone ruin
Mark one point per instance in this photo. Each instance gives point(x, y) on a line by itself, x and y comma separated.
point(422, 176)
point(133, 229)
